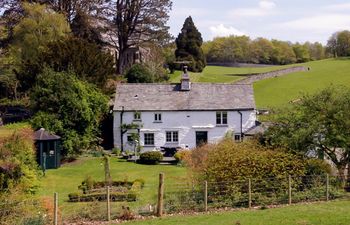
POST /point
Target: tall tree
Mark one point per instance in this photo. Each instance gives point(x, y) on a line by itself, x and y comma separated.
point(320, 124)
point(139, 21)
point(188, 44)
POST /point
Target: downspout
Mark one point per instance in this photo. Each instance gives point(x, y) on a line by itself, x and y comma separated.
point(121, 130)
point(241, 121)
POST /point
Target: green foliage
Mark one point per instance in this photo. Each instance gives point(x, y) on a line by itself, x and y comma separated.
point(339, 44)
point(117, 151)
point(139, 73)
point(188, 44)
point(83, 58)
point(69, 107)
point(39, 26)
point(243, 160)
point(18, 167)
point(150, 158)
point(317, 124)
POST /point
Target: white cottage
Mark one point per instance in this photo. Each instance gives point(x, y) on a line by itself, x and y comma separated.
point(183, 115)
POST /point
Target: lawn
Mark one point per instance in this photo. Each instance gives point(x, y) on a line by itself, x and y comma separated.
point(66, 179)
point(332, 213)
point(220, 74)
point(278, 92)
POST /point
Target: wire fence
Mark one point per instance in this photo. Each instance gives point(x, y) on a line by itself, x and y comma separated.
point(183, 196)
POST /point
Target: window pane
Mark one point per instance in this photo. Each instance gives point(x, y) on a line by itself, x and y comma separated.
point(218, 118)
point(155, 117)
point(175, 136)
point(149, 139)
point(224, 118)
point(168, 136)
point(160, 117)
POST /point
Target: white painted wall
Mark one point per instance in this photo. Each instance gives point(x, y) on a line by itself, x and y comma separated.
point(186, 123)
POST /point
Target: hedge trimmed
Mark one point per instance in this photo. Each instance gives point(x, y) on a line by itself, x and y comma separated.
point(150, 158)
point(114, 197)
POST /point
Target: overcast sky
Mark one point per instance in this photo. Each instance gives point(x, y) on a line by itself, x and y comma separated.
point(290, 20)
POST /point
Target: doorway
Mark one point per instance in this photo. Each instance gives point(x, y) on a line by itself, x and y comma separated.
point(201, 138)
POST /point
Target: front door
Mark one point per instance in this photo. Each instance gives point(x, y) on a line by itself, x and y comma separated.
point(201, 138)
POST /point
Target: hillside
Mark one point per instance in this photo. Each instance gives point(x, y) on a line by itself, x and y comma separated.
point(220, 74)
point(278, 92)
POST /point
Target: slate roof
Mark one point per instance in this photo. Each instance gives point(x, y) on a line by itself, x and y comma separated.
point(169, 97)
point(43, 135)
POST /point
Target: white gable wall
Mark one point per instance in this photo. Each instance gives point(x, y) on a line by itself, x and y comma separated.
point(186, 123)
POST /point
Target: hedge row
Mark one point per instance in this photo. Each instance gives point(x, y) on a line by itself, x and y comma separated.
point(114, 197)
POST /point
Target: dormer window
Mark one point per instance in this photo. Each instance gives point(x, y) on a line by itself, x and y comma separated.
point(157, 117)
point(137, 116)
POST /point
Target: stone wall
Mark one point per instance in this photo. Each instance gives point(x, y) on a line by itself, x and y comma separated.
point(262, 76)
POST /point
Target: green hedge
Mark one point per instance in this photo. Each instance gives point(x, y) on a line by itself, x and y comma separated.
point(114, 196)
point(150, 158)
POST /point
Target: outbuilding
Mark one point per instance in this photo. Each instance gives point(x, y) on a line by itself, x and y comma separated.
point(49, 148)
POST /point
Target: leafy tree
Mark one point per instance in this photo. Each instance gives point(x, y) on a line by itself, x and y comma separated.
point(139, 73)
point(138, 22)
point(69, 107)
point(318, 125)
point(283, 53)
point(86, 59)
point(39, 26)
point(339, 44)
point(301, 52)
point(188, 44)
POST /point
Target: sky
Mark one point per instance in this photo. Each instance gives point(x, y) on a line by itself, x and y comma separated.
point(288, 20)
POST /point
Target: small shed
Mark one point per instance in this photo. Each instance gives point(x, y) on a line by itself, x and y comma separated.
point(49, 148)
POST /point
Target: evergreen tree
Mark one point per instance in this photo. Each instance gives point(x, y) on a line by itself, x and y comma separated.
point(188, 45)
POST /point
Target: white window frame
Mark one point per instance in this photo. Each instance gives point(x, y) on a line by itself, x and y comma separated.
point(144, 139)
point(157, 117)
point(221, 116)
point(172, 136)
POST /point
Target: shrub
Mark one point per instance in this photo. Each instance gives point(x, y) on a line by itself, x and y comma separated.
point(139, 73)
point(114, 196)
point(182, 155)
point(150, 158)
point(116, 151)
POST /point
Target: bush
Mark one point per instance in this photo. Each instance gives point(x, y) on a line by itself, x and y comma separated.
point(150, 158)
point(182, 155)
point(117, 152)
point(139, 73)
point(114, 196)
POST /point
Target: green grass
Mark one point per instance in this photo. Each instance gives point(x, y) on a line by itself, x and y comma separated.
point(66, 179)
point(332, 213)
point(278, 92)
point(220, 74)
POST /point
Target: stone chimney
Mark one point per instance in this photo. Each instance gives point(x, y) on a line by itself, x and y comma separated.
point(185, 80)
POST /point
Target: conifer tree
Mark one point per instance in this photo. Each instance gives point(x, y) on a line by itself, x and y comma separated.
point(188, 44)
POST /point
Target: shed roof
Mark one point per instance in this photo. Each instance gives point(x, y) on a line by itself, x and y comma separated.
point(169, 97)
point(43, 135)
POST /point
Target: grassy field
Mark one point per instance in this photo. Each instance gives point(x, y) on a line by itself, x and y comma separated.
point(331, 213)
point(278, 92)
point(66, 179)
point(220, 74)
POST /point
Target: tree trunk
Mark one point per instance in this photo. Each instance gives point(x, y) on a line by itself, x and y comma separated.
point(341, 172)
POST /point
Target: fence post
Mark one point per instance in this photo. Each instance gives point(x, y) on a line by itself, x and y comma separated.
point(108, 203)
point(289, 190)
point(55, 217)
point(249, 193)
point(327, 187)
point(160, 195)
point(206, 196)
